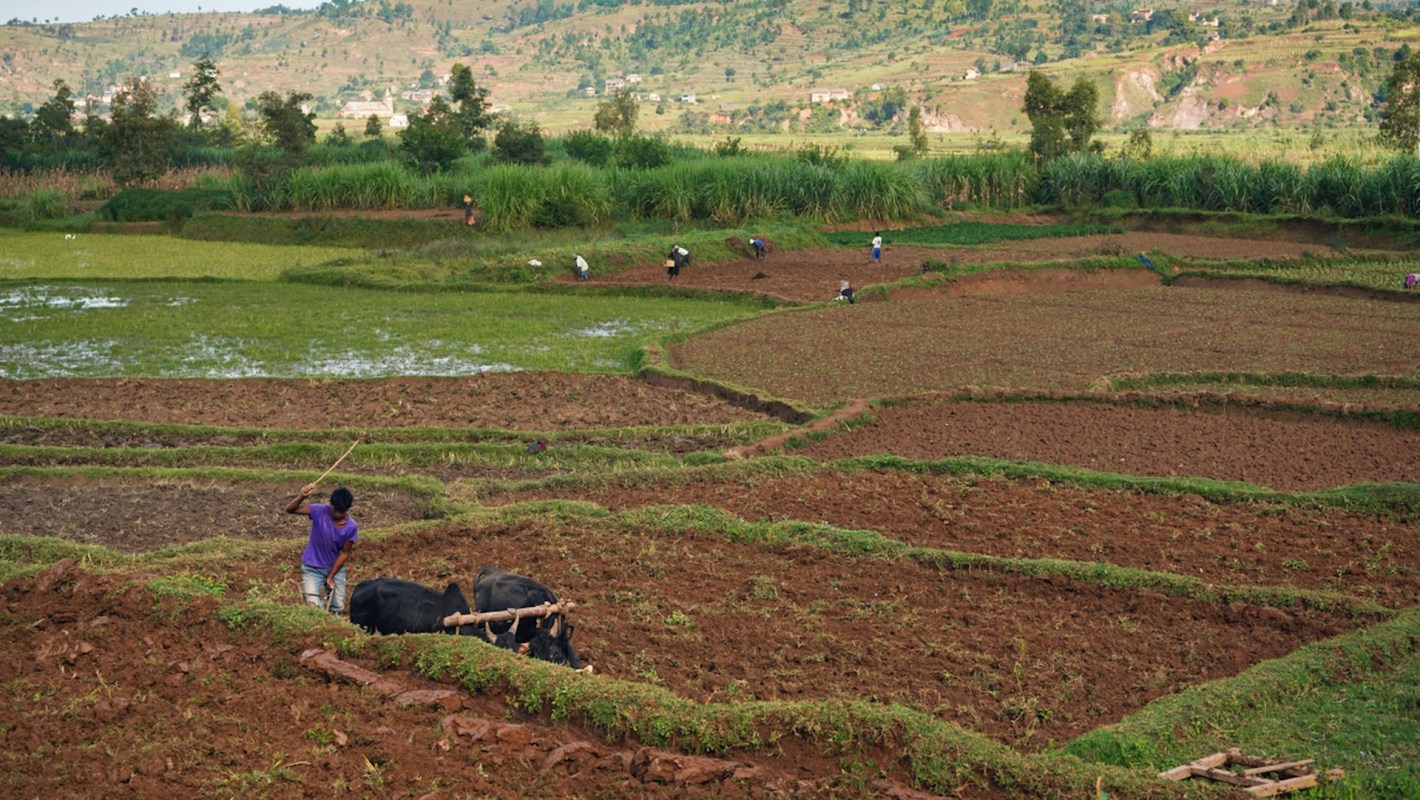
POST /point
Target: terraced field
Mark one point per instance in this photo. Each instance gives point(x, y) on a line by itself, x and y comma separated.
point(1107, 565)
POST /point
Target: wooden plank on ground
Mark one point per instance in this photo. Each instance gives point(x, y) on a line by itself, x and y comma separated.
point(1185, 771)
point(1278, 787)
point(1228, 777)
point(1259, 770)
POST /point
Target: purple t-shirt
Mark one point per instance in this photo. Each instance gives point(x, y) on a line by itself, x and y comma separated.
point(327, 540)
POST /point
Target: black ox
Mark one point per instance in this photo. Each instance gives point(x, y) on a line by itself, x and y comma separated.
point(392, 606)
point(548, 638)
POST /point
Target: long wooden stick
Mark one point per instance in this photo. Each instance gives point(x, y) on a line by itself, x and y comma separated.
point(337, 462)
point(544, 610)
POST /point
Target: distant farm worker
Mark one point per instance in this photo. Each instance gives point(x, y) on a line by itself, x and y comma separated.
point(468, 209)
point(672, 268)
point(877, 247)
point(759, 248)
point(1411, 280)
point(333, 536)
point(581, 265)
point(845, 292)
point(681, 255)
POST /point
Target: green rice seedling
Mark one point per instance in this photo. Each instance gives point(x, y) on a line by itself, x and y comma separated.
point(237, 329)
point(44, 255)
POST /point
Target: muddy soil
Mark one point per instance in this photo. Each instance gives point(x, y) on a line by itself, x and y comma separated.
point(138, 516)
point(813, 275)
point(1287, 452)
point(1023, 660)
point(514, 401)
point(1235, 543)
point(111, 696)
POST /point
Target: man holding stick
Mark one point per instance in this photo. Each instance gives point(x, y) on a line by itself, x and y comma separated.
point(333, 536)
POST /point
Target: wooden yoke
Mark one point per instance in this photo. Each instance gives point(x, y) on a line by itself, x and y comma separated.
point(511, 615)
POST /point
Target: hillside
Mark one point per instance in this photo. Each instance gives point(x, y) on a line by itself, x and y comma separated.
point(752, 64)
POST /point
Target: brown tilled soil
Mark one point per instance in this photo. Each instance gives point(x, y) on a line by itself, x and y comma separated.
point(118, 692)
point(516, 401)
point(1023, 660)
point(1288, 452)
point(1231, 543)
point(110, 694)
point(133, 516)
point(813, 275)
point(1040, 336)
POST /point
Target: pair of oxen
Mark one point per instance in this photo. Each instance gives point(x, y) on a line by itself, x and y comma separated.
point(392, 606)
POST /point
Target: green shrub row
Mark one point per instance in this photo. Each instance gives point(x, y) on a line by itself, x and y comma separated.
point(734, 188)
point(158, 205)
point(1341, 186)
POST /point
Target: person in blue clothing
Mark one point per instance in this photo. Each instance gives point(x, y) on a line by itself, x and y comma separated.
point(333, 536)
point(759, 248)
point(877, 248)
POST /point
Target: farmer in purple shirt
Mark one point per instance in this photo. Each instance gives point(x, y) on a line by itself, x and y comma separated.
point(333, 536)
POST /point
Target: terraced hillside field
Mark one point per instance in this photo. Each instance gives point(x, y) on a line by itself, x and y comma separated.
point(1039, 555)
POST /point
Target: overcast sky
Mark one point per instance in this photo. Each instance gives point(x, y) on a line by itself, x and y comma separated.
point(85, 10)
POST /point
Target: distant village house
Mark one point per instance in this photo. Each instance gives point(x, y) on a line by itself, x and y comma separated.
point(827, 95)
point(364, 109)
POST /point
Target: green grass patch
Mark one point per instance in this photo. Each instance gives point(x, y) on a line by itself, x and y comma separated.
point(229, 330)
point(969, 233)
point(297, 455)
point(196, 435)
point(1348, 702)
point(348, 231)
point(1381, 275)
point(186, 587)
point(29, 255)
point(472, 259)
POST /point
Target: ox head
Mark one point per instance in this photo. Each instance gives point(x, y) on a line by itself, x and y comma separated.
point(553, 643)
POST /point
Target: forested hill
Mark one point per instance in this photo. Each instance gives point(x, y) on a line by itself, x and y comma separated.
point(752, 64)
